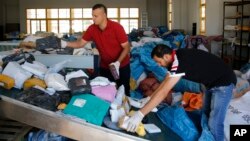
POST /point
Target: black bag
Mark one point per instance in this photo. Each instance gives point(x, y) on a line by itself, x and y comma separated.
point(48, 42)
point(79, 85)
point(39, 98)
point(20, 58)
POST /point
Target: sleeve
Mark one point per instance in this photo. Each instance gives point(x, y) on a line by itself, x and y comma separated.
point(87, 36)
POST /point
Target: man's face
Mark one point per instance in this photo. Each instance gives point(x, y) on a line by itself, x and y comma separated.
point(164, 61)
point(98, 16)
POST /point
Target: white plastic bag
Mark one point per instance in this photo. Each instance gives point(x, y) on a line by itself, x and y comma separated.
point(36, 68)
point(56, 81)
point(99, 81)
point(14, 70)
point(57, 67)
point(75, 74)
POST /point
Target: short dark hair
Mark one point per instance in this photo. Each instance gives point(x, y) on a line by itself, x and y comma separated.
point(160, 50)
point(96, 6)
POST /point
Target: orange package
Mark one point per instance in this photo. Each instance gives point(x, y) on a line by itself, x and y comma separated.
point(192, 101)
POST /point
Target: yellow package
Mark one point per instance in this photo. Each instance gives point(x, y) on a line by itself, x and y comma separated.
point(33, 82)
point(6, 81)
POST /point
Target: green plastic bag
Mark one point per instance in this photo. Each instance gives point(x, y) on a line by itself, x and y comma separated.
point(87, 107)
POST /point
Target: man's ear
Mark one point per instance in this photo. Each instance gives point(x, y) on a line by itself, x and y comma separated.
point(166, 57)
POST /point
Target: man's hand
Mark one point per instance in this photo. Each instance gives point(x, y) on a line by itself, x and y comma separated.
point(63, 44)
point(134, 121)
point(114, 68)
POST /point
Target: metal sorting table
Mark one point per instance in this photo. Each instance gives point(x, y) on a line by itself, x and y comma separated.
point(72, 128)
point(9, 45)
point(90, 59)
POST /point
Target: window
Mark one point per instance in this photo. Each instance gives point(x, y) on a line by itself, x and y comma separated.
point(36, 20)
point(170, 14)
point(202, 17)
point(70, 20)
point(127, 17)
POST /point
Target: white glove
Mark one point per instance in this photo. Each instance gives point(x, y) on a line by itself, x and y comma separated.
point(134, 121)
point(117, 66)
point(63, 44)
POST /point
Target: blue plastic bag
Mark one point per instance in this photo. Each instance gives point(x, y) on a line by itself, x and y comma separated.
point(175, 118)
point(206, 134)
point(43, 135)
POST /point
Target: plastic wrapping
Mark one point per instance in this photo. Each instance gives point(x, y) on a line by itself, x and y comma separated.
point(79, 85)
point(35, 68)
point(175, 118)
point(56, 81)
point(88, 107)
point(14, 70)
point(38, 98)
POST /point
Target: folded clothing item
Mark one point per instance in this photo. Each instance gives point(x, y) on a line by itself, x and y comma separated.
point(79, 85)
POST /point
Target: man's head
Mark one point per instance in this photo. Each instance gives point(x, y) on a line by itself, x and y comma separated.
point(99, 14)
point(162, 55)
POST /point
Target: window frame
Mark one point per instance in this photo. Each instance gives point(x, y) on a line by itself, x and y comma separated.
point(31, 30)
point(202, 18)
point(170, 14)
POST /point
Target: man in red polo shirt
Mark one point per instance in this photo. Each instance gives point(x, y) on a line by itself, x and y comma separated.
point(112, 44)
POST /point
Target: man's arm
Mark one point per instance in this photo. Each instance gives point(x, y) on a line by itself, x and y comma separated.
point(77, 44)
point(157, 97)
point(125, 51)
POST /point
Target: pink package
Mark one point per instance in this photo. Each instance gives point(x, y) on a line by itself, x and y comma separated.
point(105, 92)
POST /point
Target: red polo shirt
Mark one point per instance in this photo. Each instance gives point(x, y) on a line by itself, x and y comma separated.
point(108, 42)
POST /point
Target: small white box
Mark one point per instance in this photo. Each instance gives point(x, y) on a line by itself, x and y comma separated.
point(152, 128)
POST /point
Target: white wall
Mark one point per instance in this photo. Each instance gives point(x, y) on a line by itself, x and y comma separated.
point(180, 14)
point(24, 4)
point(214, 17)
point(193, 16)
point(186, 12)
point(157, 12)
